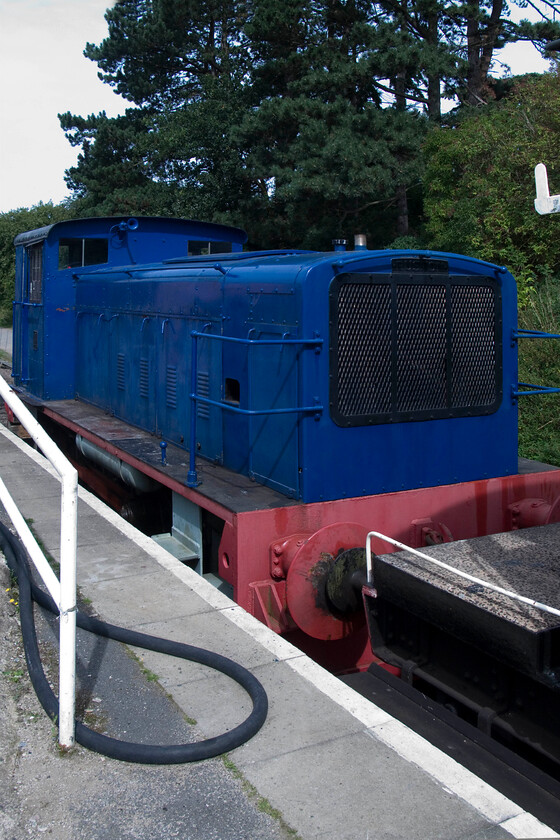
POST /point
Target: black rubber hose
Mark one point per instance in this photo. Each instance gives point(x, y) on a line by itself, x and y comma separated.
point(16, 558)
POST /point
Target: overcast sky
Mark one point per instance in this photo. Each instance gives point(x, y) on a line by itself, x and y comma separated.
point(43, 73)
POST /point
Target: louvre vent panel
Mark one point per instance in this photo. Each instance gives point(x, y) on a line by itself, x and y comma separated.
point(171, 387)
point(203, 389)
point(144, 388)
point(414, 349)
point(120, 372)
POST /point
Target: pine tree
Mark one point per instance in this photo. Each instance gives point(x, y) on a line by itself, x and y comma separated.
point(301, 120)
point(180, 63)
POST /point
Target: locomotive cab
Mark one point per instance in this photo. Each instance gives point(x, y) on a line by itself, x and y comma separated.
point(50, 260)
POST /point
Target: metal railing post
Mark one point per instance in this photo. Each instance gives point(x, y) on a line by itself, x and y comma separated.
point(67, 629)
point(63, 591)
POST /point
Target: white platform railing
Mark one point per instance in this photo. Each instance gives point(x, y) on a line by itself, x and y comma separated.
point(63, 591)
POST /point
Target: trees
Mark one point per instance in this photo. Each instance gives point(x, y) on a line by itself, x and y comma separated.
point(301, 120)
point(159, 52)
point(260, 113)
point(181, 64)
point(111, 175)
point(329, 159)
point(479, 182)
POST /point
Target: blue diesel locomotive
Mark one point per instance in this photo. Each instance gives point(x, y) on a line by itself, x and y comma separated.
point(275, 408)
point(321, 376)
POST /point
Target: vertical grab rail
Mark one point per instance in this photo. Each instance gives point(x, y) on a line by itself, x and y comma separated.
point(63, 592)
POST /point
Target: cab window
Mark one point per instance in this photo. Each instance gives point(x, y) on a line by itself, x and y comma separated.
point(75, 253)
point(203, 249)
point(34, 273)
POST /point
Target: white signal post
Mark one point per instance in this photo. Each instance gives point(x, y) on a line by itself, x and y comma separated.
point(544, 202)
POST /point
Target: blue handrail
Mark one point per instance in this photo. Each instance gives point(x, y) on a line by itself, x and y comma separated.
point(535, 389)
point(315, 342)
point(192, 477)
point(533, 334)
point(532, 390)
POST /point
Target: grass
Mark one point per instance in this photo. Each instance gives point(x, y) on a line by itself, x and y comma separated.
point(14, 675)
point(262, 804)
point(151, 676)
point(539, 364)
point(54, 564)
point(95, 720)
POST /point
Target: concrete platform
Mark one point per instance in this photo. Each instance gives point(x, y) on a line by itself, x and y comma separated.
point(333, 764)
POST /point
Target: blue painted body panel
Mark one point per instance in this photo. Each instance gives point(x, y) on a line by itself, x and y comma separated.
point(45, 348)
point(128, 327)
point(396, 456)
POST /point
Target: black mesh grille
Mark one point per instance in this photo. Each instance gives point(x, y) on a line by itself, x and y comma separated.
point(473, 346)
point(365, 309)
point(421, 346)
point(413, 348)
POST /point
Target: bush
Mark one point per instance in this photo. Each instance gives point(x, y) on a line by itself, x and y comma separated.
point(479, 181)
point(539, 363)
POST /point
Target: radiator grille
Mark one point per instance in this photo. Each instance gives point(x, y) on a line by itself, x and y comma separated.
point(420, 348)
point(413, 348)
point(473, 348)
point(364, 311)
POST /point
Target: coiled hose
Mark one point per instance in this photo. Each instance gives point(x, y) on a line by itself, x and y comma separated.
point(16, 558)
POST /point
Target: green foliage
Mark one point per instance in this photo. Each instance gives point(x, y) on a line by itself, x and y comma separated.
point(262, 114)
point(539, 364)
point(11, 223)
point(111, 176)
point(328, 159)
point(479, 182)
point(300, 121)
point(159, 52)
point(181, 63)
point(331, 172)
